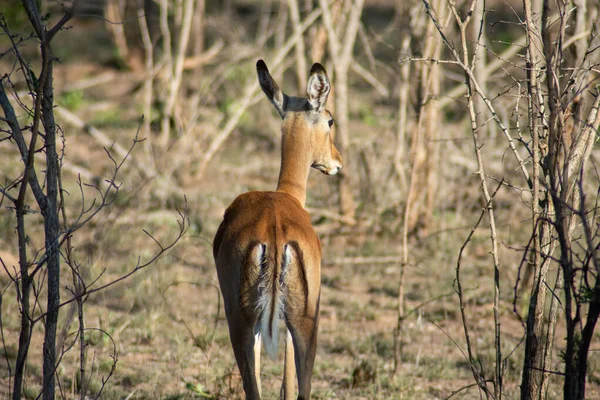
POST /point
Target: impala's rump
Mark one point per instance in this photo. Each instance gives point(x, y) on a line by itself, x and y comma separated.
point(272, 268)
point(271, 296)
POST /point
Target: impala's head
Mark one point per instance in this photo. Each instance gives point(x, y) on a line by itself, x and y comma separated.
point(306, 116)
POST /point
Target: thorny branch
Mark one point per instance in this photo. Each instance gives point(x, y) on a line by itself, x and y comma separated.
point(478, 375)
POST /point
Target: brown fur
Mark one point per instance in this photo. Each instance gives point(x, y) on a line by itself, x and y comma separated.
point(257, 228)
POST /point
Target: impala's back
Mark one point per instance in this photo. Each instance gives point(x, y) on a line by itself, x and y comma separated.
point(267, 253)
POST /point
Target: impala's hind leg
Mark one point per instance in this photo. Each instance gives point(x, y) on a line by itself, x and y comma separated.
point(289, 369)
point(304, 336)
point(257, 346)
point(244, 345)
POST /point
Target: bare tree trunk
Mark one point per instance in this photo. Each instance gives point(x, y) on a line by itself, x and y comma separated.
point(301, 68)
point(579, 329)
point(579, 27)
point(175, 70)
point(51, 230)
point(44, 104)
point(264, 20)
point(341, 49)
point(569, 147)
point(317, 35)
point(198, 26)
point(167, 59)
point(25, 287)
point(280, 34)
point(148, 87)
point(478, 38)
point(402, 128)
point(25, 332)
point(399, 155)
point(533, 367)
point(424, 145)
point(433, 132)
point(114, 11)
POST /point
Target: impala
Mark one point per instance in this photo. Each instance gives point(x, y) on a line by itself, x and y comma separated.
point(267, 253)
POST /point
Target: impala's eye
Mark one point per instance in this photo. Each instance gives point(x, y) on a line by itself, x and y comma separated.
point(330, 122)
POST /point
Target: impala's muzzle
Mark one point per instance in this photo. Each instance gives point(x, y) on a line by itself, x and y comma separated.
point(331, 169)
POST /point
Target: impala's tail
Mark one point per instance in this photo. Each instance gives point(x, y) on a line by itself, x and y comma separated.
point(271, 287)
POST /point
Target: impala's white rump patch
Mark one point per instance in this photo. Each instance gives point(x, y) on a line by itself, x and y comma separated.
point(271, 298)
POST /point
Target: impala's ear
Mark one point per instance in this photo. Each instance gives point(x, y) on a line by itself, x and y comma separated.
point(270, 88)
point(318, 87)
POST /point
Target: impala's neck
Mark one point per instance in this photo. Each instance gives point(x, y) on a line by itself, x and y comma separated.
point(295, 160)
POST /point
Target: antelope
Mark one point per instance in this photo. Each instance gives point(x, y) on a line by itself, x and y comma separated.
point(267, 254)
